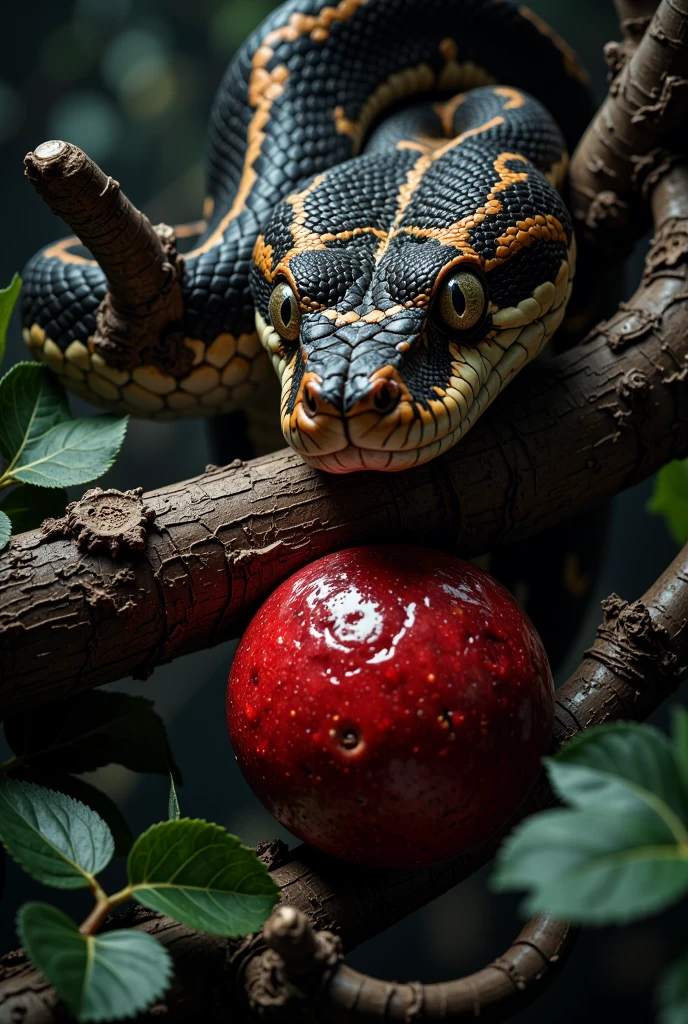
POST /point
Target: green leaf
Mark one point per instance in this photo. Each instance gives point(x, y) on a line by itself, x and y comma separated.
point(91, 796)
point(173, 812)
point(99, 978)
point(672, 993)
point(71, 453)
point(8, 298)
point(670, 499)
point(680, 742)
point(58, 840)
point(90, 730)
point(32, 401)
point(5, 530)
point(593, 867)
point(623, 851)
point(623, 767)
point(27, 506)
point(202, 876)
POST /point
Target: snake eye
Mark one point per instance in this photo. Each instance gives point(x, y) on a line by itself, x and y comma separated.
point(285, 315)
point(462, 300)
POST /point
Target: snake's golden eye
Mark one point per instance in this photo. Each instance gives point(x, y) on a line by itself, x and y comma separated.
point(285, 315)
point(462, 300)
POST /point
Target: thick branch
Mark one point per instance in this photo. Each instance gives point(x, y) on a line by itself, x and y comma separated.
point(625, 148)
point(637, 659)
point(140, 318)
point(572, 431)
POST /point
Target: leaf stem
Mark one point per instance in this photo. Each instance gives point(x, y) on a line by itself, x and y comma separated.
point(104, 905)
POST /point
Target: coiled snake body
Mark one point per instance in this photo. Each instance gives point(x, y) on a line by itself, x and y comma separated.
point(396, 276)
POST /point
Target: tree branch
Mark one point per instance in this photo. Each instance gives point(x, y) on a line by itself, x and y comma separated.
point(636, 661)
point(574, 430)
point(625, 149)
point(140, 318)
point(299, 977)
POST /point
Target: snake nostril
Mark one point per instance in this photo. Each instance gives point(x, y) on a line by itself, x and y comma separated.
point(309, 397)
point(385, 395)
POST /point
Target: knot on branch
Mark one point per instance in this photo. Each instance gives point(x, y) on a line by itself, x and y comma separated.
point(668, 250)
point(635, 647)
point(630, 325)
point(108, 521)
point(607, 210)
point(616, 55)
point(272, 853)
point(294, 967)
point(633, 390)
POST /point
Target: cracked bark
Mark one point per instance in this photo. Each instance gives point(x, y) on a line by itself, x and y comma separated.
point(636, 133)
point(636, 661)
point(575, 430)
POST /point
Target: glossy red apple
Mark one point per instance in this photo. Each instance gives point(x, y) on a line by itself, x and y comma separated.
point(390, 705)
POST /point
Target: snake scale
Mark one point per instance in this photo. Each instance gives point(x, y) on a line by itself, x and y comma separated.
point(383, 224)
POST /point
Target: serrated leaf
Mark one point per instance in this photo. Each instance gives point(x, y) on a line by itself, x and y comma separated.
point(87, 794)
point(173, 812)
point(672, 993)
point(55, 838)
point(592, 866)
point(197, 873)
point(32, 402)
point(27, 506)
point(680, 743)
point(99, 978)
point(93, 729)
point(622, 767)
point(8, 298)
point(71, 453)
point(5, 530)
point(670, 499)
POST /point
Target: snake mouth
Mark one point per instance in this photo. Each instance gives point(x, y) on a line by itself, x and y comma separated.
point(389, 430)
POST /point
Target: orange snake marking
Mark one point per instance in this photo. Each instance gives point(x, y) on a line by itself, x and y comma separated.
point(571, 64)
point(264, 88)
point(304, 240)
point(59, 251)
point(541, 227)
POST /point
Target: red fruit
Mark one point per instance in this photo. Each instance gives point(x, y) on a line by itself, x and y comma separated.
point(390, 705)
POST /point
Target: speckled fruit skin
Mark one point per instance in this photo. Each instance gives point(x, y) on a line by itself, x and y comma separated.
point(390, 705)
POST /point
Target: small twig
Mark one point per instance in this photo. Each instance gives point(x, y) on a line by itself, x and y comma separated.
point(339, 994)
point(104, 906)
point(140, 318)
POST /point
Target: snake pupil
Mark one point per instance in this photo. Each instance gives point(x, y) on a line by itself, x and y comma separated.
point(458, 300)
point(285, 312)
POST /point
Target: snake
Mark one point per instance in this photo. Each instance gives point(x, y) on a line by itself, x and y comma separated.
point(384, 225)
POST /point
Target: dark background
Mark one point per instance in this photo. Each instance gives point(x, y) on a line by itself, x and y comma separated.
point(131, 81)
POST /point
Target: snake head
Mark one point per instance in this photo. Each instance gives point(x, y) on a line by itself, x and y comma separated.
point(388, 345)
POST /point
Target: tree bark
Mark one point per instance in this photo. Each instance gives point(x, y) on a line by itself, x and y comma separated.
point(575, 430)
point(635, 135)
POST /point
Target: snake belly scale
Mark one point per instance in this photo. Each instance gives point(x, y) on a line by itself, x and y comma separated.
point(383, 224)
